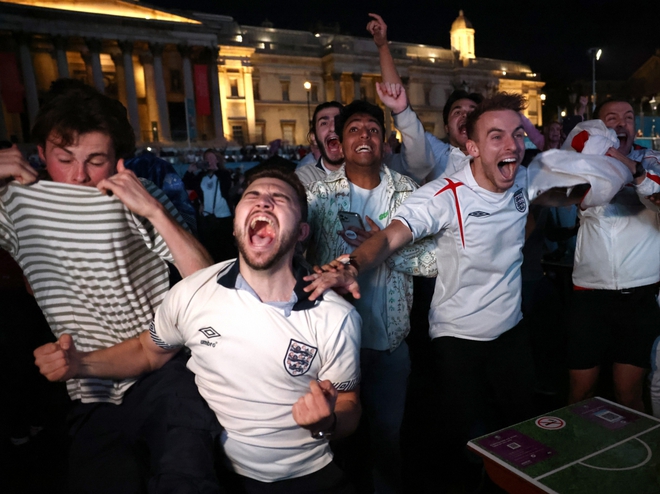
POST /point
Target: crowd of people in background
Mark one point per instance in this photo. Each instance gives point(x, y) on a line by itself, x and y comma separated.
point(342, 317)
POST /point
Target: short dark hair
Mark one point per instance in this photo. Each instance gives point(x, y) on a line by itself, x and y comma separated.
point(72, 108)
point(359, 106)
point(454, 97)
point(321, 107)
point(611, 99)
point(499, 102)
point(286, 176)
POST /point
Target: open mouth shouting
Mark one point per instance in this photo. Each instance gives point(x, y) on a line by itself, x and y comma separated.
point(332, 149)
point(363, 148)
point(507, 168)
point(261, 232)
point(623, 139)
point(462, 129)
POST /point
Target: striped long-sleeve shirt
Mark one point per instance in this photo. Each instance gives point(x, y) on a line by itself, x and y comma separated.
point(97, 270)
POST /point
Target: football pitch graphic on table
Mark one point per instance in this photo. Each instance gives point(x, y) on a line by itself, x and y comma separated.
point(594, 446)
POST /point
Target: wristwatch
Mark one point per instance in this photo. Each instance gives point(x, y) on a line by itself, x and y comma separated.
point(327, 433)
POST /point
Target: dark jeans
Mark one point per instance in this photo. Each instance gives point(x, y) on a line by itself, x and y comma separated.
point(159, 440)
point(329, 480)
point(482, 386)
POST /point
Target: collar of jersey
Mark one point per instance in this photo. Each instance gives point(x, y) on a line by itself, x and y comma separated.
point(228, 280)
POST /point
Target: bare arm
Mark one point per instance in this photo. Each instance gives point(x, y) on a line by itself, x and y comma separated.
point(189, 255)
point(378, 29)
point(533, 133)
point(370, 254)
point(61, 361)
point(325, 409)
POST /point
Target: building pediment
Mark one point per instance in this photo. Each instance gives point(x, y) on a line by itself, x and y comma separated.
point(116, 8)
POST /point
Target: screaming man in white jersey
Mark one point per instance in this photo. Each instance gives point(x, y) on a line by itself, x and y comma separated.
point(281, 372)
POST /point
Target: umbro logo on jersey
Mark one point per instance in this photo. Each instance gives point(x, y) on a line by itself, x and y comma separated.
point(479, 214)
point(519, 201)
point(299, 357)
point(209, 332)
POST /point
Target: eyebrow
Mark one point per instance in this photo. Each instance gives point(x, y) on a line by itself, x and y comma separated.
point(89, 157)
point(495, 129)
point(370, 119)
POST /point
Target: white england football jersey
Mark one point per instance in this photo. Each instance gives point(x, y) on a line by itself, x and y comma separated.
point(479, 237)
point(252, 362)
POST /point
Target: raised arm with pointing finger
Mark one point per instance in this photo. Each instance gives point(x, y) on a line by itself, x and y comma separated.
point(416, 158)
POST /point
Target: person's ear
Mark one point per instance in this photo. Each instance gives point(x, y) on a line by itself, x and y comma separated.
point(472, 148)
point(303, 231)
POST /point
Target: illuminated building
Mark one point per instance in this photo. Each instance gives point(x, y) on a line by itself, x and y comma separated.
point(205, 76)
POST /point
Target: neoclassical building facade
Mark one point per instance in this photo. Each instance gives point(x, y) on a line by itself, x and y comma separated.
point(205, 79)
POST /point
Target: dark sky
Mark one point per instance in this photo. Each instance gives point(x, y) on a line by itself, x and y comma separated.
point(552, 37)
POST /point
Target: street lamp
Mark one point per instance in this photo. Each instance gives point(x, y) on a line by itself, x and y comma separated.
point(595, 54)
point(308, 86)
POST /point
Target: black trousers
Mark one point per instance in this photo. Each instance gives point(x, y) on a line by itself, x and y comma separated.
point(482, 386)
point(329, 480)
point(159, 440)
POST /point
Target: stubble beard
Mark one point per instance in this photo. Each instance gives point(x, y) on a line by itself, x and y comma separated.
point(286, 243)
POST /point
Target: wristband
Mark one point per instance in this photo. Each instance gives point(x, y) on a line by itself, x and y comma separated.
point(327, 434)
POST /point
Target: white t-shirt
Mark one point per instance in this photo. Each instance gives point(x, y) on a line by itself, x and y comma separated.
point(479, 236)
point(618, 243)
point(252, 362)
point(372, 305)
point(211, 190)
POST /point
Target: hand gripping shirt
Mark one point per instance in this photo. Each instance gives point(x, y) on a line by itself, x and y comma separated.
point(97, 270)
point(618, 244)
point(252, 361)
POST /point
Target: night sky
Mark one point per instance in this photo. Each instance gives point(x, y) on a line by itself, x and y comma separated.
point(553, 37)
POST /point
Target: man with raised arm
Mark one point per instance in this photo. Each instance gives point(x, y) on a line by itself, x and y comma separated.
point(477, 218)
point(280, 371)
point(97, 267)
point(443, 159)
point(415, 151)
point(364, 185)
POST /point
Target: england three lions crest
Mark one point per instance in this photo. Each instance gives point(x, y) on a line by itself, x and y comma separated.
point(519, 201)
point(299, 357)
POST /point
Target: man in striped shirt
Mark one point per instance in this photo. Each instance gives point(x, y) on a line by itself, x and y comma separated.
point(95, 257)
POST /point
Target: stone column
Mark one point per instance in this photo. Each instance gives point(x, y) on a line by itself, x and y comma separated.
point(94, 46)
point(336, 77)
point(31, 93)
point(147, 61)
point(131, 92)
point(356, 85)
point(120, 76)
point(214, 88)
point(249, 100)
point(60, 44)
point(161, 93)
point(189, 89)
